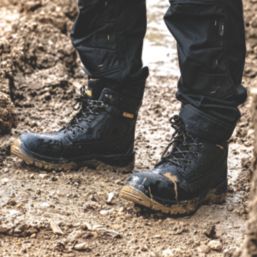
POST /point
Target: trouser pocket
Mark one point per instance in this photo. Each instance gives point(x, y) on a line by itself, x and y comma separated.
point(211, 51)
point(108, 35)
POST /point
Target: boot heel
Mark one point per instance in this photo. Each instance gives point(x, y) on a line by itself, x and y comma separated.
point(217, 195)
point(124, 164)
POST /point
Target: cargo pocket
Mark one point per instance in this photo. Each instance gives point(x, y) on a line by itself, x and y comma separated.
point(199, 81)
point(199, 27)
point(94, 36)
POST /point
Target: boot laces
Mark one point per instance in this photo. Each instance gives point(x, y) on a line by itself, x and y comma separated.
point(87, 109)
point(182, 148)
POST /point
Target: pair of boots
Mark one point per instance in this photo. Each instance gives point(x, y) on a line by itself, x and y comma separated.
point(191, 170)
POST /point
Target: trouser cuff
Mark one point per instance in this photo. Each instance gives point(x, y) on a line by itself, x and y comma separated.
point(205, 126)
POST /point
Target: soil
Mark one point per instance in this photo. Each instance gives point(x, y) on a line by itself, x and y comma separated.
point(78, 212)
point(250, 244)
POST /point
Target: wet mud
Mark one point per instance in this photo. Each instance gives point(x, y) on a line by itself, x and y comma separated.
point(79, 213)
point(250, 243)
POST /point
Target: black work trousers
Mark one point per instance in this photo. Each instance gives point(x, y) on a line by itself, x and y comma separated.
point(108, 35)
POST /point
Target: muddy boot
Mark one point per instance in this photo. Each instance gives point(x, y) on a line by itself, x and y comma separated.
point(191, 172)
point(101, 132)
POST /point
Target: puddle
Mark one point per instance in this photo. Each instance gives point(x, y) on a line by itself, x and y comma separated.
point(160, 52)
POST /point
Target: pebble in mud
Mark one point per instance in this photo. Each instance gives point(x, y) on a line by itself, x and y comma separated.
point(215, 245)
point(56, 228)
point(110, 198)
point(75, 235)
point(168, 252)
point(44, 176)
point(204, 249)
point(176, 252)
point(106, 212)
point(83, 247)
point(210, 231)
point(91, 205)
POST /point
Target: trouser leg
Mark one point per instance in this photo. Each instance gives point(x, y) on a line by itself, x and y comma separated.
point(108, 36)
point(211, 50)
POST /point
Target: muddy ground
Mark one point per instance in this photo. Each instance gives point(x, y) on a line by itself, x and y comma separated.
point(250, 244)
point(68, 213)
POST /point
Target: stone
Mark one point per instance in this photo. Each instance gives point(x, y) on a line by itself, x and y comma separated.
point(215, 245)
point(83, 247)
point(110, 197)
point(56, 228)
point(204, 249)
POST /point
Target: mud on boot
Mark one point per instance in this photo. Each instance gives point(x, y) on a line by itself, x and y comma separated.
point(192, 172)
point(102, 132)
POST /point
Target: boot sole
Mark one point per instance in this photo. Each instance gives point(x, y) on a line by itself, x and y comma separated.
point(111, 163)
point(180, 209)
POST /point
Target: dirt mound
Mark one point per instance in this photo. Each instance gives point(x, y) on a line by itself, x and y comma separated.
point(37, 59)
point(250, 246)
point(36, 55)
point(7, 119)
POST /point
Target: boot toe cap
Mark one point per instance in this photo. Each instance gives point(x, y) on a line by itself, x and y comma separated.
point(154, 186)
point(40, 144)
point(30, 141)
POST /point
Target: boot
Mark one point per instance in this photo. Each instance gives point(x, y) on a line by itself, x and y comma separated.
point(102, 131)
point(191, 172)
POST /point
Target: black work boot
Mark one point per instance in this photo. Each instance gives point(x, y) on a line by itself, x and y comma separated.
point(190, 173)
point(101, 132)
